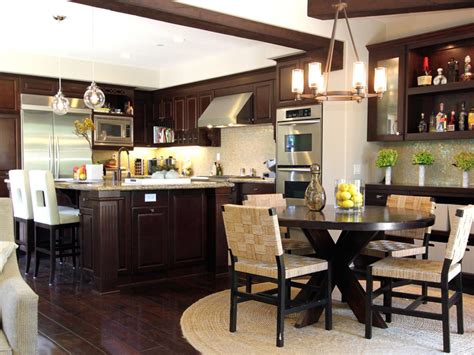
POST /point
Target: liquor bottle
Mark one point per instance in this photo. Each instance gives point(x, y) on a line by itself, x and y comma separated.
point(462, 117)
point(441, 119)
point(470, 119)
point(425, 75)
point(432, 122)
point(453, 70)
point(422, 126)
point(218, 169)
point(452, 122)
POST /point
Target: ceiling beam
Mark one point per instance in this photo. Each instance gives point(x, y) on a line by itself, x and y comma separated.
point(323, 10)
point(190, 16)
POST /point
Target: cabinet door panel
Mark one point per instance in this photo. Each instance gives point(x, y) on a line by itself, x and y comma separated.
point(9, 142)
point(191, 113)
point(179, 113)
point(9, 94)
point(38, 86)
point(205, 99)
point(189, 227)
point(263, 101)
point(151, 235)
point(74, 89)
point(284, 71)
point(87, 232)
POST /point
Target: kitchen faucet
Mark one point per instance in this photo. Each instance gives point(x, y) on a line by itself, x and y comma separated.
point(119, 170)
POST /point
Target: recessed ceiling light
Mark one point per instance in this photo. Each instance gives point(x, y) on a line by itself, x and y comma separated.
point(178, 39)
point(125, 55)
point(160, 45)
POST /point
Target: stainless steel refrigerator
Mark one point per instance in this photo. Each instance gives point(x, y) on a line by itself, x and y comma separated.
point(48, 141)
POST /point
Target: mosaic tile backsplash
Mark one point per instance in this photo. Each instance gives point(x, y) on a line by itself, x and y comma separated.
point(441, 173)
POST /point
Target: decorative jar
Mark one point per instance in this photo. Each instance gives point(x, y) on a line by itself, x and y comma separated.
point(349, 195)
point(315, 196)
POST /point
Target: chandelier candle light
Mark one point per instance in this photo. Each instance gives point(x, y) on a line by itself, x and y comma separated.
point(60, 104)
point(318, 82)
point(94, 97)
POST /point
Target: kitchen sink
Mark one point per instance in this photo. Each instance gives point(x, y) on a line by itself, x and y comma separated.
point(147, 181)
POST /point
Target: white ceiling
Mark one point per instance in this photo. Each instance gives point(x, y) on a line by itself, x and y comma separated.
point(119, 38)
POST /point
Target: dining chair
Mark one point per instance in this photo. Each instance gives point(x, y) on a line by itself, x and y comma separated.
point(436, 273)
point(255, 247)
point(53, 218)
point(393, 246)
point(22, 212)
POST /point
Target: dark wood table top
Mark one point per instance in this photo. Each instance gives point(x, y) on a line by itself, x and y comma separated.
point(372, 218)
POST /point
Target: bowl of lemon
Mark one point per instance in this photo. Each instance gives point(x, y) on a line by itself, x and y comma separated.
point(349, 195)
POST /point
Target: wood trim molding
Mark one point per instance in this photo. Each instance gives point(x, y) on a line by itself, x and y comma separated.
point(322, 9)
point(190, 16)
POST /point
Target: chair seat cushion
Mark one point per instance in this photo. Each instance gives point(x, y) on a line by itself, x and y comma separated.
point(6, 249)
point(4, 346)
point(383, 248)
point(68, 215)
point(295, 265)
point(292, 244)
point(413, 269)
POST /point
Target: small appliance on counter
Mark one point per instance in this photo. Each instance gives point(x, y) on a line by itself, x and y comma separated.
point(271, 165)
point(138, 167)
point(152, 166)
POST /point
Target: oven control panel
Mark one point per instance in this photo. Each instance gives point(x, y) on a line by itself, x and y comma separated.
point(299, 113)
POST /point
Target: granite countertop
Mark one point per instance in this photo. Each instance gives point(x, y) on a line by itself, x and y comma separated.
point(251, 180)
point(109, 186)
point(235, 179)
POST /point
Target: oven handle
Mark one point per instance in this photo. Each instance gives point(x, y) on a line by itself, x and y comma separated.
point(305, 170)
point(285, 123)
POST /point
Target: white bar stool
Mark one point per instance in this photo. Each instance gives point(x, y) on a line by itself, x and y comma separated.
point(22, 212)
point(48, 215)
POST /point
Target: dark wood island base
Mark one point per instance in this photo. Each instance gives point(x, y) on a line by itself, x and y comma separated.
point(132, 236)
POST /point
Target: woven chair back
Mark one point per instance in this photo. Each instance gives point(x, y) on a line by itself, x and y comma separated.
point(265, 200)
point(252, 233)
point(458, 237)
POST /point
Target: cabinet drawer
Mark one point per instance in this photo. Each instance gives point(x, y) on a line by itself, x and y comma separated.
point(376, 198)
point(256, 188)
point(149, 198)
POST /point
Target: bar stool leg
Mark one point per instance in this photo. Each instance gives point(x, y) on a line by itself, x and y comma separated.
point(73, 247)
point(37, 254)
point(52, 254)
point(30, 243)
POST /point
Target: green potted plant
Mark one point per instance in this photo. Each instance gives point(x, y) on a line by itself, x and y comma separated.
point(387, 158)
point(422, 158)
point(464, 161)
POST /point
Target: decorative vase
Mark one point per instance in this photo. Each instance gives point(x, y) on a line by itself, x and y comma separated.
point(465, 179)
point(95, 171)
point(388, 175)
point(421, 175)
point(315, 196)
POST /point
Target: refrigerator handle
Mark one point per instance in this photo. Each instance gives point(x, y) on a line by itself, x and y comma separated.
point(58, 158)
point(50, 159)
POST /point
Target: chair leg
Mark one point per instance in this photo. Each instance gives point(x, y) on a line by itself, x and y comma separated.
point(16, 233)
point(459, 307)
point(424, 291)
point(37, 254)
point(73, 248)
point(233, 302)
point(328, 309)
point(248, 283)
point(52, 254)
point(281, 312)
point(60, 244)
point(445, 315)
point(368, 304)
point(387, 299)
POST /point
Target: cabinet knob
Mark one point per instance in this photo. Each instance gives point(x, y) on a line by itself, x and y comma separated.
point(379, 196)
point(255, 189)
point(398, 133)
point(152, 210)
point(84, 199)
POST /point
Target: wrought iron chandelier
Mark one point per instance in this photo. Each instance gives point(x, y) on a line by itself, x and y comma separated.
point(318, 82)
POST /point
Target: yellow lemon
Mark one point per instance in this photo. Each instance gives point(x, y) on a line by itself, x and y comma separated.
point(343, 187)
point(353, 189)
point(345, 195)
point(347, 204)
point(357, 204)
point(339, 196)
point(357, 198)
point(339, 203)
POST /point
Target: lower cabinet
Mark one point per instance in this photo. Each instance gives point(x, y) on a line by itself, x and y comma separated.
point(150, 238)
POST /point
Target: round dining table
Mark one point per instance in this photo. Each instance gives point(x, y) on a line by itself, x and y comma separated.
point(357, 230)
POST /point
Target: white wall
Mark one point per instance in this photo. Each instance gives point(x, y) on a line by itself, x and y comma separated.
point(22, 62)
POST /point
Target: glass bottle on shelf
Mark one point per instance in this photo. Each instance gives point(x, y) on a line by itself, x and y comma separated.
point(422, 126)
point(470, 119)
point(425, 76)
point(462, 117)
point(440, 78)
point(453, 70)
point(432, 122)
point(452, 122)
point(441, 119)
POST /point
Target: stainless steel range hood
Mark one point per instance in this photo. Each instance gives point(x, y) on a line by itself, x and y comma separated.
point(228, 111)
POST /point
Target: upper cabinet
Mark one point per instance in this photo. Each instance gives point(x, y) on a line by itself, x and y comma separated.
point(142, 117)
point(398, 114)
point(9, 93)
point(264, 106)
point(38, 85)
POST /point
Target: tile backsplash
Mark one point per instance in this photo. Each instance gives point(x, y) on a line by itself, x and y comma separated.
point(442, 172)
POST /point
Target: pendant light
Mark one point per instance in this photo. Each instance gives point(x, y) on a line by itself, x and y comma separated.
point(60, 104)
point(93, 97)
point(318, 82)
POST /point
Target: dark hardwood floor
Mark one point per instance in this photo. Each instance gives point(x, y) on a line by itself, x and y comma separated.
point(74, 320)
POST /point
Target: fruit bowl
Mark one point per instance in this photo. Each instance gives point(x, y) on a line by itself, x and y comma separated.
point(349, 195)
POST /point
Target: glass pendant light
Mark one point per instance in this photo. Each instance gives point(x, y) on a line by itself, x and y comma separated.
point(60, 104)
point(94, 97)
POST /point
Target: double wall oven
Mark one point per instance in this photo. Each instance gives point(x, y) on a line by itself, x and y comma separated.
point(299, 144)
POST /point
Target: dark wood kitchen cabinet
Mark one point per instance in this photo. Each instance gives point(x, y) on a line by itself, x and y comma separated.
point(74, 89)
point(205, 99)
point(264, 108)
point(143, 120)
point(188, 227)
point(9, 148)
point(38, 85)
point(179, 112)
point(9, 93)
point(191, 114)
point(150, 249)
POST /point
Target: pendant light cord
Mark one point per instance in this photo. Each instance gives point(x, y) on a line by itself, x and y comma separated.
point(350, 34)
point(327, 68)
point(93, 47)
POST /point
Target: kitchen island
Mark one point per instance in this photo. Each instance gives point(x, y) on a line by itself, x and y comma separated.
point(135, 234)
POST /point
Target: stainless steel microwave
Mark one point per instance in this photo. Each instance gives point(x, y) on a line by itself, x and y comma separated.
point(113, 131)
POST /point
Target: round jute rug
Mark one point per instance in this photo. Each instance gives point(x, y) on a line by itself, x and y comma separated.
point(205, 324)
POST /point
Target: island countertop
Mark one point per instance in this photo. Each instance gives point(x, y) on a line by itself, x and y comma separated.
point(109, 186)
